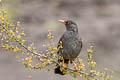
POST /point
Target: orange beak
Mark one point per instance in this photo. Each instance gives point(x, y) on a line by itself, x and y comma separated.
point(62, 21)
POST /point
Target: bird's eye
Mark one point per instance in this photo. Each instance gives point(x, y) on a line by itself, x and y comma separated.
point(68, 22)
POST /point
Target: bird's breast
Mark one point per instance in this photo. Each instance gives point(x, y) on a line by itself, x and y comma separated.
point(71, 45)
point(71, 48)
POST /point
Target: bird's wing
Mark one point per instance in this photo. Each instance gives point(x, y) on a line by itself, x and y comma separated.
point(81, 43)
point(64, 37)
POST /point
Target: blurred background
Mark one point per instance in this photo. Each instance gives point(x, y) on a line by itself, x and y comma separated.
point(98, 22)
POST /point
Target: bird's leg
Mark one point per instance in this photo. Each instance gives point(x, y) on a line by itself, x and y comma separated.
point(75, 66)
point(63, 64)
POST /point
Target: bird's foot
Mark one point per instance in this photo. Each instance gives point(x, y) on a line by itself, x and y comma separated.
point(75, 66)
point(64, 65)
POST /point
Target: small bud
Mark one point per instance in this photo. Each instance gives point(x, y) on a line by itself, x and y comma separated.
point(3, 19)
point(18, 23)
point(5, 12)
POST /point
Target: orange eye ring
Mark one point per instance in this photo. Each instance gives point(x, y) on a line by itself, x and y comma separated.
point(68, 22)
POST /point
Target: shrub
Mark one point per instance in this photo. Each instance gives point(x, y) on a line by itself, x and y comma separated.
point(12, 39)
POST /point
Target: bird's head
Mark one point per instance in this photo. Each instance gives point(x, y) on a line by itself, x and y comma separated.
point(70, 25)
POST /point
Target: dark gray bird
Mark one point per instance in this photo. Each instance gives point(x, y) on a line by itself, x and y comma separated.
point(71, 44)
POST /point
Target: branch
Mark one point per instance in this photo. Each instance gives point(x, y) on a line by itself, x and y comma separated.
point(39, 55)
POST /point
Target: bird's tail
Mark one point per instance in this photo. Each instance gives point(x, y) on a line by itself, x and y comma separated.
point(58, 70)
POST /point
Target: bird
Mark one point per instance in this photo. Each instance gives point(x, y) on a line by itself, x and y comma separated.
point(71, 45)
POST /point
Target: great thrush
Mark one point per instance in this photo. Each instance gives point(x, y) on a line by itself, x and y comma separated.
point(71, 45)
